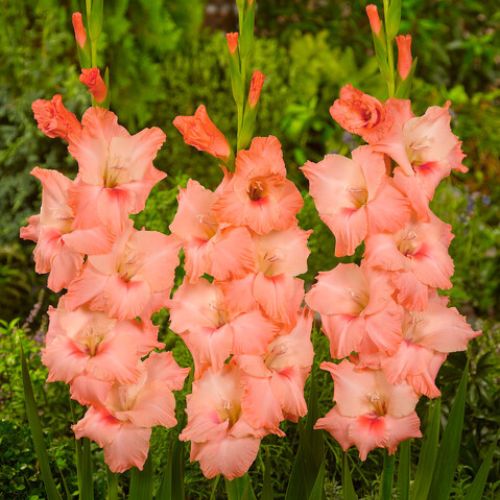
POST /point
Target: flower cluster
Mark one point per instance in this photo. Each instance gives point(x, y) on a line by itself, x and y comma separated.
point(239, 307)
point(115, 277)
point(385, 315)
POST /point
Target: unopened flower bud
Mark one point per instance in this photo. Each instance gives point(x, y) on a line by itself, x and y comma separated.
point(79, 28)
point(372, 13)
point(201, 132)
point(91, 77)
point(404, 55)
point(255, 88)
point(232, 42)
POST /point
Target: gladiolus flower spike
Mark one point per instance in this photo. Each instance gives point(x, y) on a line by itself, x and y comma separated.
point(115, 277)
point(384, 318)
point(246, 328)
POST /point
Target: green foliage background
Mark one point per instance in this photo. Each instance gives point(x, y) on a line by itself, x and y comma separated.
point(165, 59)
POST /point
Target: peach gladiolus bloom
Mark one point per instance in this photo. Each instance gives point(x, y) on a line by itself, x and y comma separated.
point(210, 248)
point(417, 257)
point(59, 248)
point(222, 438)
point(369, 412)
point(355, 197)
point(428, 336)
point(54, 120)
point(84, 342)
point(92, 79)
point(134, 279)
point(200, 132)
point(212, 329)
point(425, 146)
point(279, 257)
point(116, 171)
point(357, 310)
point(274, 382)
point(122, 422)
point(259, 195)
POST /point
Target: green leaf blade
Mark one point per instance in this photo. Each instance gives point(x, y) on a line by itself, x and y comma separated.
point(404, 470)
point(311, 453)
point(36, 433)
point(240, 488)
point(477, 487)
point(387, 477)
point(141, 482)
point(267, 486)
point(347, 486)
point(428, 453)
point(449, 448)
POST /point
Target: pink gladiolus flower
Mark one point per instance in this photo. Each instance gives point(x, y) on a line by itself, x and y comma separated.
point(82, 342)
point(369, 412)
point(417, 257)
point(404, 55)
point(79, 29)
point(256, 85)
point(274, 382)
point(373, 17)
point(259, 195)
point(116, 171)
point(222, 438)
point(54, 120)
point(200, 132)
point(425, 146)
point(121, 424)
point(92, 79)
point(355, 197)
point(357, 310)
point(279, 257)
point(59, 248)
point(222, 252)
point(428, 336)
point(212, 329)
point(134, 279)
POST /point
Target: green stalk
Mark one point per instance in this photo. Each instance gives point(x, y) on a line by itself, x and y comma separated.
point(391, 81)
point(404, 470)
point(112, 493)
point(387, 477)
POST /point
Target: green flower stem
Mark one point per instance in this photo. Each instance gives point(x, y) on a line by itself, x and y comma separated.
point(387, 477)
point(391, 80)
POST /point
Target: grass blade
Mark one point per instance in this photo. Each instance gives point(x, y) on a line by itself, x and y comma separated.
point(449, 448)
point(404, 470)
point(387, 477)
point(311, 453)
point(428, 453)
point(141, 482)
point(347, 486)
point(477, 487)
point(37, 434)
point(267, 486)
